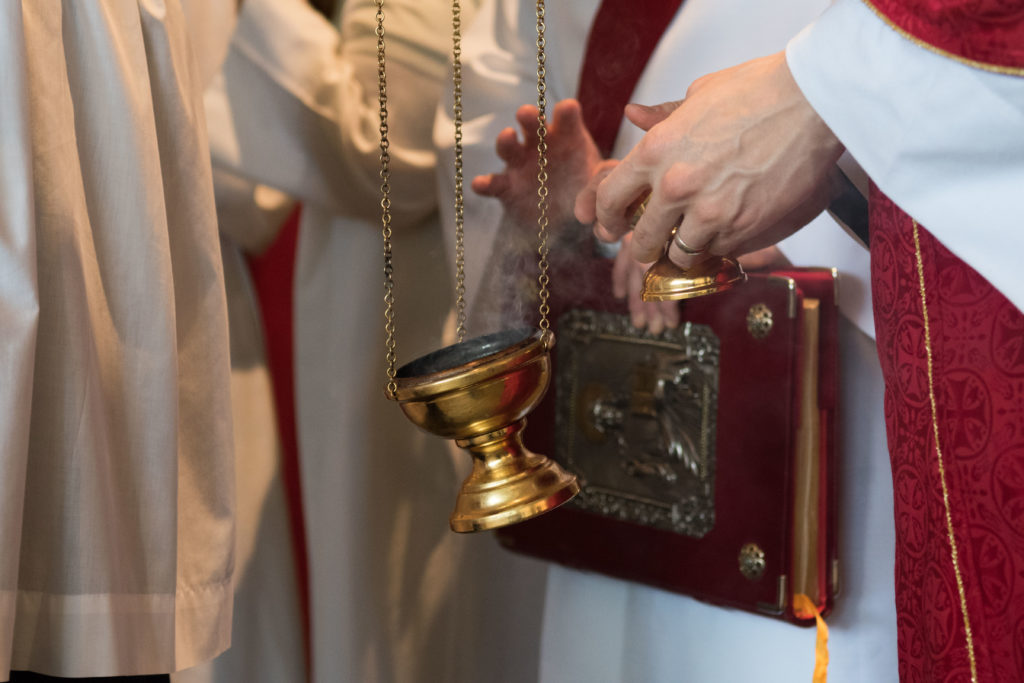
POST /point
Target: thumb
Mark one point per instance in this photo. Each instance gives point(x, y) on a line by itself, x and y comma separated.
point(645, 117)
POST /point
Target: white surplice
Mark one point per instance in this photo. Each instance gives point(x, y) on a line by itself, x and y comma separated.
point(601, 629)
point(267, 630)
point(944, 140)
point(116, 481)
point(396, 597)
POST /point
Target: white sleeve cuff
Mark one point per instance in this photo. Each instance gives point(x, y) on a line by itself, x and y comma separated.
point(944, 140)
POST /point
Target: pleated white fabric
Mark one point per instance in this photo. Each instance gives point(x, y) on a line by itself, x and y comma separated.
point(116, 481)
point(267, 630)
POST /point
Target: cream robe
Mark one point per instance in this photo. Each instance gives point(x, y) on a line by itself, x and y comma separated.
point(116, 481)
point(267, 631)
point(601, 629)
point(396, 596)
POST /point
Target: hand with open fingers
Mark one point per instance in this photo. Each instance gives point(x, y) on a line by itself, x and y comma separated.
point(739, 164)
point(572, 155)
point(627, 283)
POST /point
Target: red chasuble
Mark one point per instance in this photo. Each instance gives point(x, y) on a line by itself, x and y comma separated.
point(988, 33)
point(952, 353)
point(971, 446)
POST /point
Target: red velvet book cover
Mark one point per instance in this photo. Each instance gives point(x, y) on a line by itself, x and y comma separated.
point(686, 443)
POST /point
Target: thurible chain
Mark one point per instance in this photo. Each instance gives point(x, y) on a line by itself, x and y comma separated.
point(460, 250)
point(385, 205)
point(542, 172)
point(385, 187)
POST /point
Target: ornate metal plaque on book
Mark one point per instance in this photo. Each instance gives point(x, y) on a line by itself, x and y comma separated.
point(636, 420)
point(706, 454)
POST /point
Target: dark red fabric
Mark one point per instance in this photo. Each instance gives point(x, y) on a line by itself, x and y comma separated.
point(987, 31)
point(273, 279)
point(977, 339)
point(622, 38)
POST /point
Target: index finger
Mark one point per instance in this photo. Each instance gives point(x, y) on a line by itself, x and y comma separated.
point(618, 194)
point(654, 228)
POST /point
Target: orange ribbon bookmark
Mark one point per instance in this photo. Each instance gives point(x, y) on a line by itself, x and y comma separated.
point(804, 607)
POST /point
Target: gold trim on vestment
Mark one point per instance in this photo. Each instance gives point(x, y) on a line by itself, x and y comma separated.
point(942, 470)
point(996, 68)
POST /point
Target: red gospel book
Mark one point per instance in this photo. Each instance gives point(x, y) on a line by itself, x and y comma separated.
point(706, 454)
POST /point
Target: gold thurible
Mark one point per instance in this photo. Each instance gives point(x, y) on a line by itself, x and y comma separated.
point(479, 392)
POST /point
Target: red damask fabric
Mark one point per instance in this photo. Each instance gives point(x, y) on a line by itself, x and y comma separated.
point(987, 31)
point(977, 339)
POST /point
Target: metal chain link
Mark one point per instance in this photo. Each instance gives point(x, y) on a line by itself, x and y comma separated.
point(460, 250)
point(542, 172)
point(385, 187)
point(385, 205)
